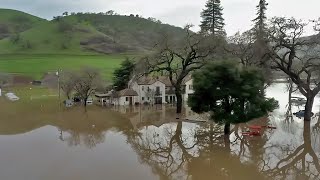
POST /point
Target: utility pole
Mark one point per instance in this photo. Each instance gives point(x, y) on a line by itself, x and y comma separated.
point(59, 88)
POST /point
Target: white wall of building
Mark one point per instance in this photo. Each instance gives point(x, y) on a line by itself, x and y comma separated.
point(125, 101)
point(162, 88)
point(189, 89)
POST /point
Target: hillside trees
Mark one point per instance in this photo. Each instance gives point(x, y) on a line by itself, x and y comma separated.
point(296, 56)
point(231, 94)
point(178, 58)
point(123, 74)
point(212, 18)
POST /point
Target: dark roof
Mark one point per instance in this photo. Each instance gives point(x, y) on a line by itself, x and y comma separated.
point(127, 92)
point(109, 94)
point(148, 80)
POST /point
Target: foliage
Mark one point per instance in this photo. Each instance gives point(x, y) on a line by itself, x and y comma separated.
point(64, 26)
point(212, 20)
point(230, 93)
point(15, 38)
point(122, 75)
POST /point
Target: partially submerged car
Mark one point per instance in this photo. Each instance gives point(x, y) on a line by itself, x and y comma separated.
point(300, 114)
point(12, 96)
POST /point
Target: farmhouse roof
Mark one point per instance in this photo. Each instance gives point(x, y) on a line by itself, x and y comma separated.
point(148, 80)
point(127, 92)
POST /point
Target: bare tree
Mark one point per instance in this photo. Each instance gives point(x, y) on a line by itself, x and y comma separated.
point(241, 46)
point(86, 81)
point(296, 56)
point(67, 83)
point(250, 52)
point(178, 58)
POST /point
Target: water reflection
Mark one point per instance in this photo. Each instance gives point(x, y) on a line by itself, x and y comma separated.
point(152, 142)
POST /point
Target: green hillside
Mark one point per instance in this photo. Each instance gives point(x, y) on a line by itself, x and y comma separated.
point(81, 34)
point(32, 46)
point(12, 22)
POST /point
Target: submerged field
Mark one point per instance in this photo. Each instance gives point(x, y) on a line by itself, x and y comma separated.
point(36, 65)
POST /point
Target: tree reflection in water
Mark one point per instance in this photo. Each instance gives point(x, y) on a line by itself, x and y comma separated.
point(199, 152)
point(89, 128)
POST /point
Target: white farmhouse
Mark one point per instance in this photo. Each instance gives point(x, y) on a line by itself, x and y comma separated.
point(152, 89)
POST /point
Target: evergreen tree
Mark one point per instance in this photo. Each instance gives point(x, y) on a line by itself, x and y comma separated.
point(260, 26)
point(122, 75)
point(212, 20)
point(231, 94)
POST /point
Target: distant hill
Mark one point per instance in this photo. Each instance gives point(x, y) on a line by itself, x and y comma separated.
point(79, 33)
point(12, 22)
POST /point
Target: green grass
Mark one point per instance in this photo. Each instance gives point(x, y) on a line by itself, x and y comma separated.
point(36, 65)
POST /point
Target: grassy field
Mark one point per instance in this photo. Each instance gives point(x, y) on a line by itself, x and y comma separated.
point(36, 65)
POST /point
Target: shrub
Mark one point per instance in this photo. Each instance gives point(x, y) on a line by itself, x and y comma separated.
point(64, 26)
point(15, 38)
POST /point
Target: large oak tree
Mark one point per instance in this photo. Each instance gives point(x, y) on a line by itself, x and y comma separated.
point(179, 58)
point(297, 56)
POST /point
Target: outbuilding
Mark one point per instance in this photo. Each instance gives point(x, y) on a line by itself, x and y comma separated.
point(126, 97)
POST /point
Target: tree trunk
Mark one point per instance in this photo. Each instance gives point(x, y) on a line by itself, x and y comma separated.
point(306, 133)
point(85, 102)
point(308, 107)
point(227, 129)
point(179, 99)
point(228, 111)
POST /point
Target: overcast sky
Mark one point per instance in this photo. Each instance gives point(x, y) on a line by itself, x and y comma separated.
point(237, 13)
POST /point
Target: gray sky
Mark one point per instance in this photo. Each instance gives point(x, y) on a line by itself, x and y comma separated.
point(237, 13)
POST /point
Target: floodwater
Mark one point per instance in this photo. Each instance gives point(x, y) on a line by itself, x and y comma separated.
point(150, 143)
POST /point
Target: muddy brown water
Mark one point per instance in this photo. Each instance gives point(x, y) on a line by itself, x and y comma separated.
point(149, 143)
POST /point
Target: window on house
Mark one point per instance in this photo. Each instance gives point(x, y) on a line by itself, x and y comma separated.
point(148, 98)
point(127, 98)
point(142, 98)
point(190, 87)
point(142, 88)
point(148, 89)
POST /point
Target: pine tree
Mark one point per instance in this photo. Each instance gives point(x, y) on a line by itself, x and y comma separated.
point(260, 26)
point(212, 20)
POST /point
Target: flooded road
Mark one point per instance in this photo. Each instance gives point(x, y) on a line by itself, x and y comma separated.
point(150, 143)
